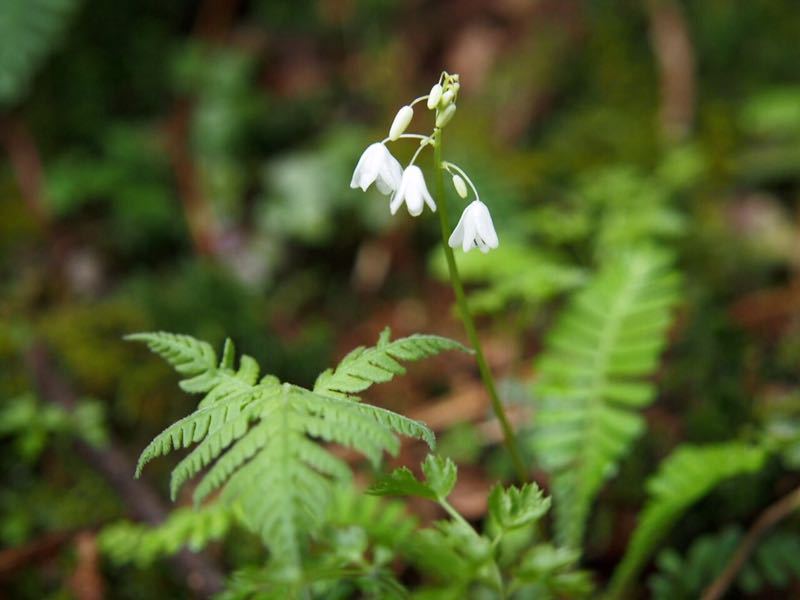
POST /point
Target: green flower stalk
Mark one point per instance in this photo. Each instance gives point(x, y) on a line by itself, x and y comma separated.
point(475, 228)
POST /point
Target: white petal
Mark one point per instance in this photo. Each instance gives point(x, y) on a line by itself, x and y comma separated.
point(485, 226)
point(457, 237)
point(414, 201)
point(383, 187)
point(368, 166)
point(390, 174)
point(468, 243)
point(397, 199)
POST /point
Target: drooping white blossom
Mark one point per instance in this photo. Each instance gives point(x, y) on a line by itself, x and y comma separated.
point(413, 192)
point(379, 166)
point(401, 121)
point(475, 229)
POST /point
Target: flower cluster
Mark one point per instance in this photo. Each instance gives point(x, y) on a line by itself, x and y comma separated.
point(407, 186)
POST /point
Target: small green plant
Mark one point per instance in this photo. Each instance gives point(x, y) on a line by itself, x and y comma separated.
point(270, 452)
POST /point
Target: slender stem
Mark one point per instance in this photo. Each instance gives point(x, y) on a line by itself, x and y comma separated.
point(407, 136)
point(416, 154)
point(469, 323)
point(455, 514)
point(420, 99)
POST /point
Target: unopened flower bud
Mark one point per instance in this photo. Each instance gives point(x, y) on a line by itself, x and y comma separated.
point(443, 118)
point(401, 121)
point(460, 186)
point(446, 99)
point(434, 96)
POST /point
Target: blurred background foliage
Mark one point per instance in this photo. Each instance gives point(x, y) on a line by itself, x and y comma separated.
point(184, 165)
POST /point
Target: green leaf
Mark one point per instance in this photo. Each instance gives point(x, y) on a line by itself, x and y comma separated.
point(264, 442)
point(401, 482)
point(546, 571)
point(126, 542)
point(684, 477)
point(440, 474)
point(365, 366)
point(516, 507)
point(29, 29)
point(592, 380)
point(440, 478)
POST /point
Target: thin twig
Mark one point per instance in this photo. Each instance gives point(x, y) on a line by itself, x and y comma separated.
point(672, 46)
point(768, 519)
point(26, 164)
point(202, 576)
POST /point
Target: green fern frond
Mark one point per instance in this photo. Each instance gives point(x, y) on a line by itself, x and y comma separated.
point(775, 563)
point(592, 379)
point(143, 544)
point(261, 438)
point(683, 478)
point(364, 366)
point(28, 31)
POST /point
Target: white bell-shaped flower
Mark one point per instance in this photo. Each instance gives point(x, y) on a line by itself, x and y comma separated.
point(379, 166)
point(413, 192)
point(475, 229)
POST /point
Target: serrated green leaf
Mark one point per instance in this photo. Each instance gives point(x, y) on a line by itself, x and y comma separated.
point(514, 507)
point(401, 482)
point(440, 474)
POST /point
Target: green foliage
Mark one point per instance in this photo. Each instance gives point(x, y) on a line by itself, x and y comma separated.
point(28, 31)
point(194, 528)
point(465, 563)
point(263, 434)
point(592, 379)
point(440, 477)
point(361, 537)
point(514, 273)
point(363, 367)
point(773, 564)
point(629, 208)
point(515, 507)
point(32, 423)
point(127, 178)
point(684, 477)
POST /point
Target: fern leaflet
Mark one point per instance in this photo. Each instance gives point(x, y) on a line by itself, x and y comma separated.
point(683, 478)
point(28, 30)
point(364, 366)
point(261, 438)
point(591, 380)
point(142, 544)
point(775, 563)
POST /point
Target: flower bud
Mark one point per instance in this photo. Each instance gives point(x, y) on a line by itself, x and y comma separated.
point(434, 96)
point(460, 186)
point(447, 98)
point(401, 121)
point(443, 118)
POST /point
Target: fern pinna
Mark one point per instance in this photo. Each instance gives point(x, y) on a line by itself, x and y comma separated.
point(592, 378)
point(682, 479)
point(264, 436)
